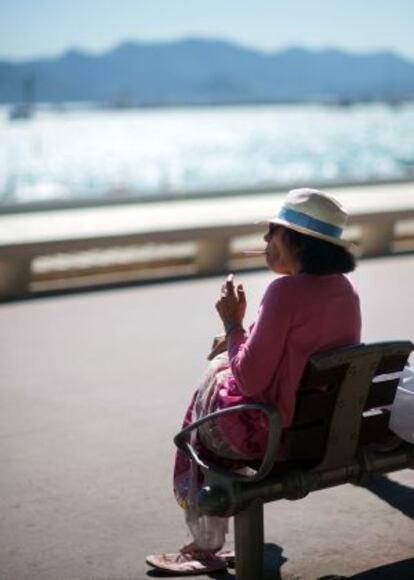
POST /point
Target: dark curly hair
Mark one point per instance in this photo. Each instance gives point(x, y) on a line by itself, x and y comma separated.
point(319, 257)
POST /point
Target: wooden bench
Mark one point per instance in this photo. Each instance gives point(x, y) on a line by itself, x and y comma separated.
point(339, 434)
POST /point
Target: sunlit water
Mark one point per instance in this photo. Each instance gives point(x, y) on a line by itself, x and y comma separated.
point(77, 153)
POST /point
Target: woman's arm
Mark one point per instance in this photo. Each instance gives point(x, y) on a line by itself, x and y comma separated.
point(255, 360)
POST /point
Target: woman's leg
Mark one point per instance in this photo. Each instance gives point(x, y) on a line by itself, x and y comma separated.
point(209, 533)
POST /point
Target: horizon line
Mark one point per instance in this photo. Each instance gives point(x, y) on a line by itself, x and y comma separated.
point(204, 38)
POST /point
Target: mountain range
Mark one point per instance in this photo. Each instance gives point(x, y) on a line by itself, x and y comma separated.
point(195, 71)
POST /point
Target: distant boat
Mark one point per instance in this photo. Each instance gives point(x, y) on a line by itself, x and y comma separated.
point(124, 100)
point(21, 111)
point(25, 109)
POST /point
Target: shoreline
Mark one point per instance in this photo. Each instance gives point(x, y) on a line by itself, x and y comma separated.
point(150, 199)
point(334, 101)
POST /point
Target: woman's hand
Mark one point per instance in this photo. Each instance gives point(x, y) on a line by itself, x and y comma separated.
point(219, 345)
point(231, 305)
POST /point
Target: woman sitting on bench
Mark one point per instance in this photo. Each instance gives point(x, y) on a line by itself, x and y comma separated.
point(313, 307)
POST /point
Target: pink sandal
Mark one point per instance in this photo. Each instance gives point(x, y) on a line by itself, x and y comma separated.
point(227, 556)
point(187, 563)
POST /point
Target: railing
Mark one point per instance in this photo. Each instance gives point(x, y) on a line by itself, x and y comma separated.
point(194, 236)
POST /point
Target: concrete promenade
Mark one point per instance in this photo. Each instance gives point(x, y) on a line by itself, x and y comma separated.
point(92, 389)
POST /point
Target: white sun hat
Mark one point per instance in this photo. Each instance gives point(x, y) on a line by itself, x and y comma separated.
point(313, 213)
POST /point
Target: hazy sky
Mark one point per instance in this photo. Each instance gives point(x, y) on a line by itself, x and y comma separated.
point(31, 28)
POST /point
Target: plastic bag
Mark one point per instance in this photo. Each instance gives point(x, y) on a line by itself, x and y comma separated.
point(402, 410)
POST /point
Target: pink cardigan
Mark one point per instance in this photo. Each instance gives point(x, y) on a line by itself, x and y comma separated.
point(298, 316)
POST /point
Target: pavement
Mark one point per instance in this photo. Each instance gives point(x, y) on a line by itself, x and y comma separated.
point(92, 388)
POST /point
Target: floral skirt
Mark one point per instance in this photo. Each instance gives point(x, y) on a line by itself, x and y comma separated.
point(230, 441)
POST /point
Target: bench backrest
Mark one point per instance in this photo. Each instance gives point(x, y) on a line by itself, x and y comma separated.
point(339, 407)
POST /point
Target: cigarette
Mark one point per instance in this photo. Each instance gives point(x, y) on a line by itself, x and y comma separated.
point(254, 252)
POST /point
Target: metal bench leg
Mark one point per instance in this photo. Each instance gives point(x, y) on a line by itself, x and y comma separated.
point(249, 540)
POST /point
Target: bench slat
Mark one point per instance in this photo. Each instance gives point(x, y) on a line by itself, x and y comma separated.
point(392, 363)
point(308, 443)
point(381, 394)
point(315, 378)
point(314, 405)
point(374, 427)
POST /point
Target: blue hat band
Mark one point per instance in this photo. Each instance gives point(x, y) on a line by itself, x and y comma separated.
point(310, 223)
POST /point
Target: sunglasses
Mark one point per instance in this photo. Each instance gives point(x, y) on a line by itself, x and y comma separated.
point(272, 229)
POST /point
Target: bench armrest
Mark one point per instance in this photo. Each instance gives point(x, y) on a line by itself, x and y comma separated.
point(182, 443)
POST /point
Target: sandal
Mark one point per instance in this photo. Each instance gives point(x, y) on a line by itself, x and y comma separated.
point(187, 563)
point(227, 556)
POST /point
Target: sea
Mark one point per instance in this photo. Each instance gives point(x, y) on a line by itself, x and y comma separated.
point(76, 152)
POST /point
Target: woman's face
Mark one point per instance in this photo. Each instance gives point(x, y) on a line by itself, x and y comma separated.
point(279, 256)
